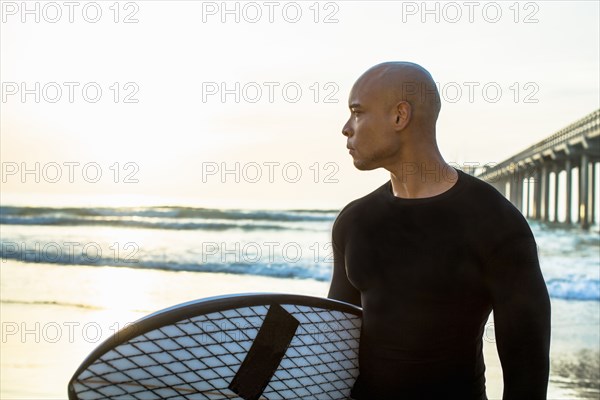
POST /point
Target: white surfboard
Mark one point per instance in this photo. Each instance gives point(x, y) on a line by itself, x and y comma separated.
point(247, 346)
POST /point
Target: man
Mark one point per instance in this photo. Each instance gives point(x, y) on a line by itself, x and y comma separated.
point(428, 256)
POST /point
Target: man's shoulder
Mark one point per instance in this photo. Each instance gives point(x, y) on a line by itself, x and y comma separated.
point(362, 210)
point(485, 195)
point(491, 208)
point(364, 203)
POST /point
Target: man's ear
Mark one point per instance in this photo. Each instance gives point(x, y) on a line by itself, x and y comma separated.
point(403, 114)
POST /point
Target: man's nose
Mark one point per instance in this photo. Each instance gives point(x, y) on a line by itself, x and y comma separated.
point(346, 130)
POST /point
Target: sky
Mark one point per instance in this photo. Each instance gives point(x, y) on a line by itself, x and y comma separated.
point(241, 104)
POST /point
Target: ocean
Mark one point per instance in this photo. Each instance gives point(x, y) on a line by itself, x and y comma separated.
point(42, 247)
point(284, 244)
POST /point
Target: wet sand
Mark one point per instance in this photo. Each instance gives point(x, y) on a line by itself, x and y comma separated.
point(53, 316)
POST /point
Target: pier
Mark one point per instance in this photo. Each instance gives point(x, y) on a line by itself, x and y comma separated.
point(533, 178)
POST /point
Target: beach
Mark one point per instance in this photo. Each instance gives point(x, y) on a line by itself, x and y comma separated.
point(53, 316)
point(71, 277)
point(158, 152)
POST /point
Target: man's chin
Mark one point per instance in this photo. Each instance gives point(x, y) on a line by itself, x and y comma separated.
point(363, 166)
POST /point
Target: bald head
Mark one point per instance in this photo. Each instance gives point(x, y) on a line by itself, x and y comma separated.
point(404, 81)
point(393, 112)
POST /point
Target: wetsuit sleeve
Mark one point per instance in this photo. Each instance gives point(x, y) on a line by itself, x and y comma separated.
point(341, 288)
point(521, 309)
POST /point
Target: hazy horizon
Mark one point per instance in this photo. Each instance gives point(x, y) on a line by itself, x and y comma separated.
point(177, 94)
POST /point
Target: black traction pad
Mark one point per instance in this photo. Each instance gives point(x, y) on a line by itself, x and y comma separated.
point(265, 354)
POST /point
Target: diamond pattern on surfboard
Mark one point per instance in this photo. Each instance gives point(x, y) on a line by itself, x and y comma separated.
point(196, 358)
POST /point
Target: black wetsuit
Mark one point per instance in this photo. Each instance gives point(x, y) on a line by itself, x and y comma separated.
point(427, 273)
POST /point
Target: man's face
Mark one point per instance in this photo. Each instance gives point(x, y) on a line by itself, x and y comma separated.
point(369, 130)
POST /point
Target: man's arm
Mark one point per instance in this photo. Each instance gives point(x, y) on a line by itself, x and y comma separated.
point(341, 288)
point(521, 317)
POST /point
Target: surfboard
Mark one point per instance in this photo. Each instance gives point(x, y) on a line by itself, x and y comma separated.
point(245, 346)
